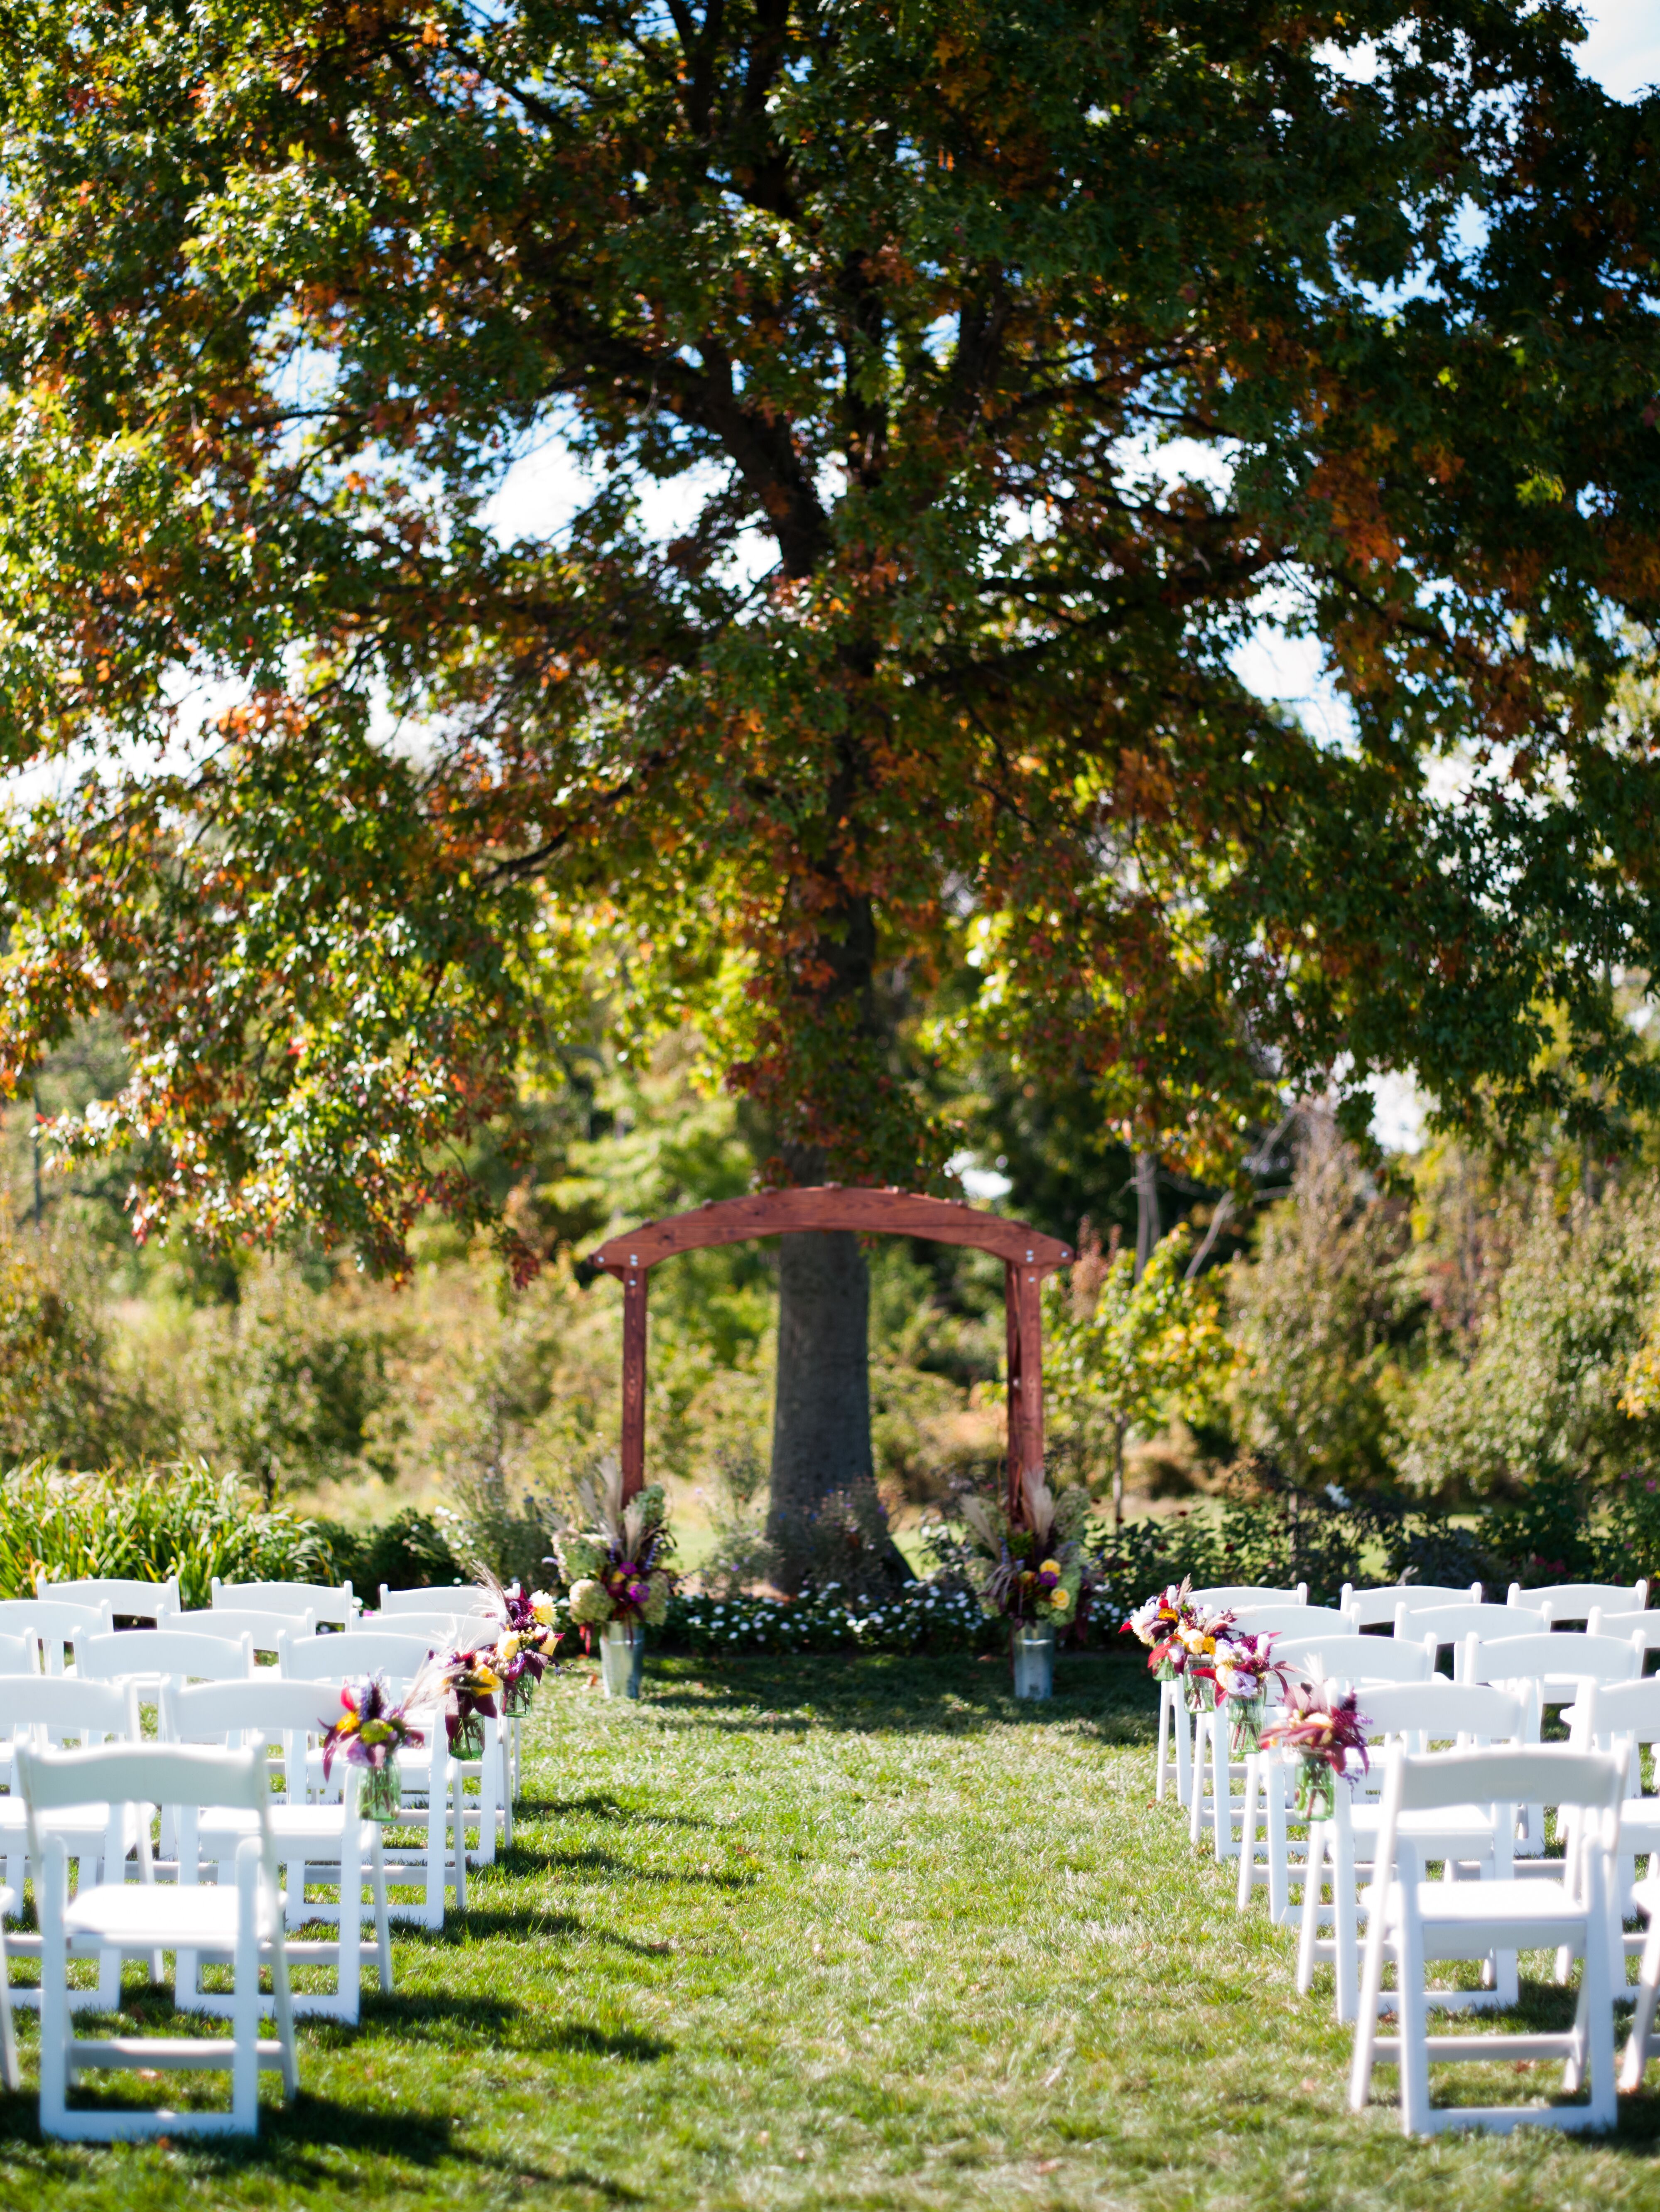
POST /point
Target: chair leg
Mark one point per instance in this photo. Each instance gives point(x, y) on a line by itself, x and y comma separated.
point(1593, 2020)
point(1308, 1933)
point(1161, 1766)
point(1180, 1723)
point(1648, 1990)
point(1201, 1737)
point(348, 1928)
point(1248, 1833)
point(56, 2025)
point(282, 2001)
point(9, 2071)
point(244, 2004)
point(1412, 2012)
point(1273, 1785)
point(382, 1918)
point(1345, 1913)
point(1366, 2018)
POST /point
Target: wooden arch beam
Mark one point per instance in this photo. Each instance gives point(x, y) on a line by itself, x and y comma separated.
point(1027, 1255)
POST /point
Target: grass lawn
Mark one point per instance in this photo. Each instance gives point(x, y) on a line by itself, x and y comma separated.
point(858, 1933)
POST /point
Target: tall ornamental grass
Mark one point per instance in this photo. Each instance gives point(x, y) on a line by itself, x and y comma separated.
point(180, 1518)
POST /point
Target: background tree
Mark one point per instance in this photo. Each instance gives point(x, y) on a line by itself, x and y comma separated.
point(1130, 1347)
point(1004, 364)
point(1325, 1320)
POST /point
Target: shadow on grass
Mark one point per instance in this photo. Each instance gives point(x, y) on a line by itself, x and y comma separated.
point(1109, 1693)
point(598, 1806)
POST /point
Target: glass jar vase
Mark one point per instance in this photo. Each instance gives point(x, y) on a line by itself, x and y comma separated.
point(1245, 1725)
point(381, 1797)
point(1032, 1644)
point(621, 1657)
point(467, 1739)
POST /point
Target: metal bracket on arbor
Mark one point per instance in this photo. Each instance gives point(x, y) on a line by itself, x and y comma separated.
point(1027, 1256)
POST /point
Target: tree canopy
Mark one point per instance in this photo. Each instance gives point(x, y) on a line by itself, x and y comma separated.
point(1001, 365)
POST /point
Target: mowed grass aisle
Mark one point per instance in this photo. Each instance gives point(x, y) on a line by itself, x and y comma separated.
point(852, 1933)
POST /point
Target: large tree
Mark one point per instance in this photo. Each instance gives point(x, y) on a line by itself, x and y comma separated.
point(1006, 364)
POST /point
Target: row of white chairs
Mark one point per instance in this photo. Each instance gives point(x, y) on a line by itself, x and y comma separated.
point(1479, 1810)
point(226, 1877)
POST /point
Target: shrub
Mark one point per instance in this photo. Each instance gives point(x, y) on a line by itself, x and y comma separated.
point(939, 1616)
point(181, 1519)
point(411, 1551)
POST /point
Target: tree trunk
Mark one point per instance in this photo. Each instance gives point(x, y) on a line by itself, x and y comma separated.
point(1148, 1229)
point(821, 1416)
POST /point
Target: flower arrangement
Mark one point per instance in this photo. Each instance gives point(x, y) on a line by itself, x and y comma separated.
point(370, 1733)
point(617, 1568)
point(1029, 1572)
point(525, 1645)
point(471, 1683)
point(1243, 1666)
point(1155, 1622)
point(1330, 1735)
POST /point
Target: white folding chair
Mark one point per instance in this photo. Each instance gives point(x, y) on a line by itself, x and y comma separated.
point(1419, 1716)
point(1412, 1922)
point(433, 1784)
point(454, 1631)
point(49, 1709)
point(52, 1625)
point(240, 1922)
point(1626, 1624)
point(122, 1596)
point(1576, 1600)
point(441, 1597)
point(1554, 1669)
point(1290, 1620)
point(330, 1603)
point(264, 1629)
point(19, 1654)
point(1377, 1607)
point(313, 1842)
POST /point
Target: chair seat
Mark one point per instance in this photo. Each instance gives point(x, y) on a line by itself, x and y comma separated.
point(293, 1824)
point(1467, 1919)
point(76, 1824)
point(145, 1915)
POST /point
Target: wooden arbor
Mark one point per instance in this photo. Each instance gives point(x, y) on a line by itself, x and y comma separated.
point(1026, 1255)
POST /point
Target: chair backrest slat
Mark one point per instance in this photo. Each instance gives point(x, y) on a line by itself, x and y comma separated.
point(441, 1597)
point(153, 1651)
point(19, 1654)
point(264, 1630)
point(1356, 1658)
point(1291, 1619)
point(1377, 1607)
point(1232, 1596)
point(1574, 1600)
point(327, 1602)
point(1561, 1657)
point(1451, 1624)
point(142, 1774)
point(120, 1595)
point(1536, 1774)
point(359, 1652)
point(1440, 1710)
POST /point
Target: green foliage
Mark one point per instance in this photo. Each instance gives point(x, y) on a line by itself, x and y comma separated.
point(288, 1383)
point(409, 1551)
point(1538, 1405)
point(145, 1525)
point(932, 1616)
point(1322, 1317)
point(913, 315)
point(1120, 1354)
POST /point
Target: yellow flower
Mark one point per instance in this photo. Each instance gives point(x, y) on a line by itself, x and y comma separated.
point(349, 1723)
point(542, 1606)
point(1050, 1567)
point(509, 1647)
point(1060, 1600)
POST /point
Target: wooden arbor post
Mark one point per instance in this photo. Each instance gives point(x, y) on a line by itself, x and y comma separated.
point(1026, 1254)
